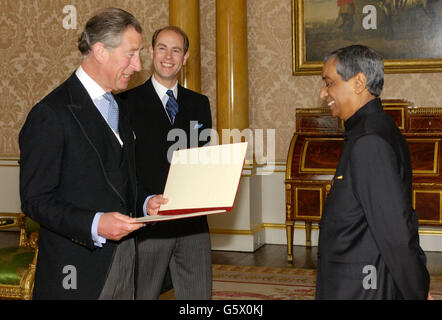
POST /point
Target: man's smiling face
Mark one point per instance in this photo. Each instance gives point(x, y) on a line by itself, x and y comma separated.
point(168, 57)
point(338, 93)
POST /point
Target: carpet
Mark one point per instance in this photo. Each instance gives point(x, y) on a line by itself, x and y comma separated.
point(262, 283)
point(266, 283)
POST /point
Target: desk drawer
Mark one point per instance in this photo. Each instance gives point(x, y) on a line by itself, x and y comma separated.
point(425, 124)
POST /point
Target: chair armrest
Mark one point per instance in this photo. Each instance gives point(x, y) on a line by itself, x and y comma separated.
point(11, 220)
point(31, 241)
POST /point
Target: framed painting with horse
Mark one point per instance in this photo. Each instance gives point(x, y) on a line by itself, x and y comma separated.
point(408, 33)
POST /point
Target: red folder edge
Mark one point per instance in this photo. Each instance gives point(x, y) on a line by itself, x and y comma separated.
point(185, 211)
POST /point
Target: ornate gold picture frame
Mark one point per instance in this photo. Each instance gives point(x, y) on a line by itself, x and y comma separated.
point(406, 33)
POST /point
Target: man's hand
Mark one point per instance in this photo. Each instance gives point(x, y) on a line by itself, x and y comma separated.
point(114, 225)
point(154, 203)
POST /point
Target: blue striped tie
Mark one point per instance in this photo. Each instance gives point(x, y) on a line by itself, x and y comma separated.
point(112, 114)
point(171, 106)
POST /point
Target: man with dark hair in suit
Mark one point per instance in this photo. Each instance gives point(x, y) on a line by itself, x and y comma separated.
point(162, 111)
point(368, 240)
point(77, 169)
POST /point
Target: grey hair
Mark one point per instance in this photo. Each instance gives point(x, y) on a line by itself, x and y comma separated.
point(357, 58)
point(106, 26)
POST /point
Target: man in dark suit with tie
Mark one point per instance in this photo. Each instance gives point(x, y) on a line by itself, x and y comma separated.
point(166, 116)
point(77, 169)
point(368, 240)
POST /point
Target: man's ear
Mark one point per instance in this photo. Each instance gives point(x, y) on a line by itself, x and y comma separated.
point(151, 52)
point(186, 56)
point(360, 82)
point(100, 52)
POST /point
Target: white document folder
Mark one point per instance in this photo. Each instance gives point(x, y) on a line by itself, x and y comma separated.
point(202, 181)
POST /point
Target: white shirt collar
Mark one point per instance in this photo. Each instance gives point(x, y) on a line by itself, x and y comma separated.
point(92, 87)
point(95, 92)
point(161, 90)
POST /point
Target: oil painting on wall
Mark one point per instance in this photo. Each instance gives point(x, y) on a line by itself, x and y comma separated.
point(408, 33)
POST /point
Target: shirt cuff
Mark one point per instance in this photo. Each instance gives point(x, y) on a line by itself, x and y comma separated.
point(145, 205)
point(97, 239)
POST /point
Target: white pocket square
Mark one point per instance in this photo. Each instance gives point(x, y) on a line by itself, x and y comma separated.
point(198, 125)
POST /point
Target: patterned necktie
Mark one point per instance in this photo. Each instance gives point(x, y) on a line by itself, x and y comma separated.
point(171, 106)
point(112, 114)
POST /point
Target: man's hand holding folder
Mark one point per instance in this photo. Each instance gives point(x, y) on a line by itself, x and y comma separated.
point(154, 204)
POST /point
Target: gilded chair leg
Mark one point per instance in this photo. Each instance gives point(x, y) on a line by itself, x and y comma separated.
point(289, 225)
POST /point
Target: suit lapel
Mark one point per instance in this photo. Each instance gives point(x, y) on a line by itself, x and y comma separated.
point(157, 104)
point(181, 99)
point(127, 136)
point(93, 125)
point(87, 114)
point(184, 105)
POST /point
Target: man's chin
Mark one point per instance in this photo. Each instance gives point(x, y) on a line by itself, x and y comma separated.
point(123, 84)
point(167, 76)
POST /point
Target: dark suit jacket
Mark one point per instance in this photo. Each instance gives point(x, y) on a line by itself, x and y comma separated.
point(368, 239)
point(152, 128)
point(70, 168)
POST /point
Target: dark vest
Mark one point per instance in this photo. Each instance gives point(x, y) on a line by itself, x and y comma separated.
point(119, 174)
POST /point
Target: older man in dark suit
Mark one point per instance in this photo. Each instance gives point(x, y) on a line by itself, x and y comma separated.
point(77, 169)
point(166, 116)
point(368, 240)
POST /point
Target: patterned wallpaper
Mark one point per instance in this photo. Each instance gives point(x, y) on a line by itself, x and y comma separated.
point(38, 53)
